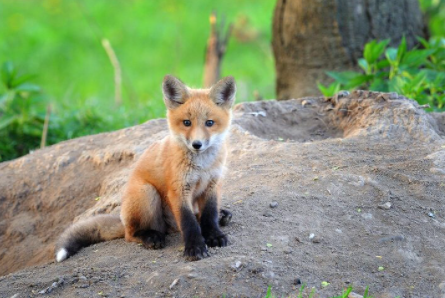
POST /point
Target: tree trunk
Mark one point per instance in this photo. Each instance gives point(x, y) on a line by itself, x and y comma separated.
point(312, 37)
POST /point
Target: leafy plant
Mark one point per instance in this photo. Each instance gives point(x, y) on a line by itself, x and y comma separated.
point(23, 108)
point(416, 73)
point(22, 113)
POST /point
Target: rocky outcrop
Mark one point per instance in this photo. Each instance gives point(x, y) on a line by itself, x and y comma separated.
point(328, 163)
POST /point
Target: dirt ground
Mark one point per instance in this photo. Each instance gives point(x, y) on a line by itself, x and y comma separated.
point(356, 182)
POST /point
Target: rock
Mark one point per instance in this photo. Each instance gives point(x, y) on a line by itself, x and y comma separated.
point(442, 286)
point(174, 283)
point(306, 103)
point(237, 265)
point(54, 285)
point(354, 295)
point(287, 250)
point(46, 291)
point(192, 275)
point(385, 206)
point(225, 217)
point(297, 281)
point(15, 296)
point(316, 240)
point(351, 143)
point(273, 204)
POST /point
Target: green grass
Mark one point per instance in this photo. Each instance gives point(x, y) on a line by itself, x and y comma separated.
point(59, 41)
point(310, 294)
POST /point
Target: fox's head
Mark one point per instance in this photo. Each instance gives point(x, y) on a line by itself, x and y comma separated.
point(199, 118)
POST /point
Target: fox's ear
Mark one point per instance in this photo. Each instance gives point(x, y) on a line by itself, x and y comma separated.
point(223, 92)
point(175, 92)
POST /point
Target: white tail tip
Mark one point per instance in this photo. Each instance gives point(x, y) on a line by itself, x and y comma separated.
point(61, 255)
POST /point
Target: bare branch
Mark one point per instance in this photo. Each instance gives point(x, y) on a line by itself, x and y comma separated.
point(45, 127)
point(117, 71)
point(216, 48)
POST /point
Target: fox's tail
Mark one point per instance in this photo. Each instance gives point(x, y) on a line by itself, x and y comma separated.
point(84, 233)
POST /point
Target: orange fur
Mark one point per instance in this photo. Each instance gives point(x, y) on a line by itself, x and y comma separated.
point(172, 176)
point(167, 165)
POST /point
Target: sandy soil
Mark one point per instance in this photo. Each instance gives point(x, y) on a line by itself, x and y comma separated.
point(358, 182)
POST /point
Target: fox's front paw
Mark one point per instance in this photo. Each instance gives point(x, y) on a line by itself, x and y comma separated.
point(196, 249)
point(216, 238)
point(153, 239)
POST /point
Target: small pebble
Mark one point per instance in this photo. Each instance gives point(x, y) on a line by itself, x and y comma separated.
point(174, 283)
point(385, 206)
point(315, 240)
point(238, 264)
point(306, 103)
point(192, 275)
point(431, 214)
point(311, 236)
point(273, 204)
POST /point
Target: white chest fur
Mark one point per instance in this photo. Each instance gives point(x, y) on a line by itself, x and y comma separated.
point(204, 169)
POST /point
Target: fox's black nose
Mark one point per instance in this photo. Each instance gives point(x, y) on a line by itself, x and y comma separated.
point(197, 145)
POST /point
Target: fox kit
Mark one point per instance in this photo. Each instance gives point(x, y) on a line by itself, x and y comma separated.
point(176, 183)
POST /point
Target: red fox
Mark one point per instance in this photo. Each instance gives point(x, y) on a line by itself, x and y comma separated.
point(176, 183)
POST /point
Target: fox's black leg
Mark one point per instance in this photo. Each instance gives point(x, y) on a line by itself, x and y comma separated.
point(195, 246)
point(151, 238)
point(209, 224)
point(225, 217)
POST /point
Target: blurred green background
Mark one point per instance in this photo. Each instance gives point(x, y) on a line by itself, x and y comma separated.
point(52, 56)
point(60, 41)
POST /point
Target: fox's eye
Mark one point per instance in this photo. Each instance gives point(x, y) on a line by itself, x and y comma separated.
point(187, 122)
point(210, 123)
